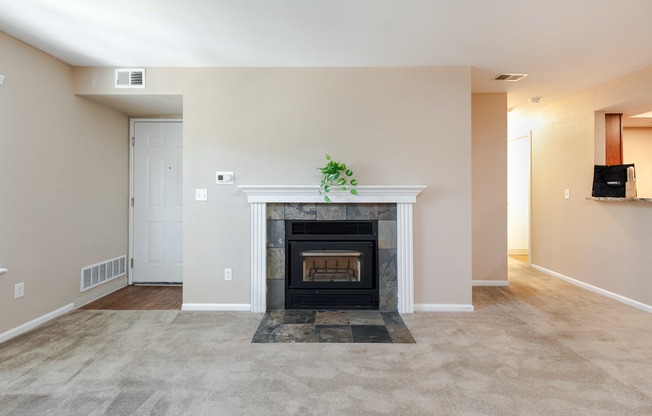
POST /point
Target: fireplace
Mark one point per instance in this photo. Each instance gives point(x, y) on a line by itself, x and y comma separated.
point(331, 264)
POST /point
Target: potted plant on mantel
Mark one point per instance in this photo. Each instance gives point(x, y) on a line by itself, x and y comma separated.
point(336, 176)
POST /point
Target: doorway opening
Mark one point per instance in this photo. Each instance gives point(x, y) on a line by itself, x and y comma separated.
point(519, 151)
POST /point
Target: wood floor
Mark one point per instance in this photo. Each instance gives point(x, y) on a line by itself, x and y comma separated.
point(520, 257)
point(161, 297)
point(140, 298)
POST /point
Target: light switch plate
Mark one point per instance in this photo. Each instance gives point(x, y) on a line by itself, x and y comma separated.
point(223, 178)
point(566, 193)
point(19, 290)
point(201, 194)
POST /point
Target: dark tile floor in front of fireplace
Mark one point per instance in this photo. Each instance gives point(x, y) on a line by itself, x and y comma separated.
point(299, 325)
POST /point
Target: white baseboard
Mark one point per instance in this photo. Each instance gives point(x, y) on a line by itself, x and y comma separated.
point(216, 307)
point(490, 283)
point(442, 307)
point(518, 252)
point(19, 330)
point(594, 289)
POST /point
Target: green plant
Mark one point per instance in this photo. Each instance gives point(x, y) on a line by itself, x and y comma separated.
point(336, 176)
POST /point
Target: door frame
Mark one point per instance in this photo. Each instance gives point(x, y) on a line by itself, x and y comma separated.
point(527, 136)
point(132, 143)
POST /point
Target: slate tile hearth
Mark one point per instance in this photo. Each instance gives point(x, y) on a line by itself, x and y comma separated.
point(297, 325)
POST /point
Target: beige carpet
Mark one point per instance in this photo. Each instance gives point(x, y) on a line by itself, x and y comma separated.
point(539, 347)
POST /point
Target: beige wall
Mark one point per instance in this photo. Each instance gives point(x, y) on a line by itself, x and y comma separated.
point(393, 126)
point(63, 185)
point(490, 186)
point(637, 149)
point(604, 244)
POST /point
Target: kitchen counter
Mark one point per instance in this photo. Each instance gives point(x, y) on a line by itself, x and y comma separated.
point(609, 199)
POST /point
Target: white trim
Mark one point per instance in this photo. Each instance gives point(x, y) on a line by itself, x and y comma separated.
point(518, 252)
point(3, 270)
point(258, 257)
point(404, 258)
point(529, 206)
point(443, 307)
point(19, 330)
point(132, 131)
point(594, 289)
point(504, 283)
point(310, 194)
point(245, 307)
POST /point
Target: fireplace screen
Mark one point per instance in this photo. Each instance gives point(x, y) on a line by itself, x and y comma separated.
point(331, 265)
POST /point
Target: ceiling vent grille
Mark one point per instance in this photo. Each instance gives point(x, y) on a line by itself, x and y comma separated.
point(509, 77)
point(130, 78)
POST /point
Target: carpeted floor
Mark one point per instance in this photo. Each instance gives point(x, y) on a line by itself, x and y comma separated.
point(539, 347)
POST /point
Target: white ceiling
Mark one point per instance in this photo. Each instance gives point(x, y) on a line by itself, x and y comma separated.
point(564, 45)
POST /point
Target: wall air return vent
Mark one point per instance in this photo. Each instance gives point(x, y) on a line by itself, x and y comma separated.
point(130, 78)
point(509, 77)
point(99, 273)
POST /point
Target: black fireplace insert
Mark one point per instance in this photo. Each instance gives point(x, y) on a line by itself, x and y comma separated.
point(331, 264)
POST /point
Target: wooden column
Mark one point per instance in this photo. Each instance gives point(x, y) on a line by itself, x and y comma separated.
point(613, 139)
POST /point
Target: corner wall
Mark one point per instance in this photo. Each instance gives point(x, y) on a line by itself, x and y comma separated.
point(603, 244)
point(63, 185)
point(392, 126)
point(489, 187)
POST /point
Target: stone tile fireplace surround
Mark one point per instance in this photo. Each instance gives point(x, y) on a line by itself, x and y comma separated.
point(384, 213)
point(390, 205)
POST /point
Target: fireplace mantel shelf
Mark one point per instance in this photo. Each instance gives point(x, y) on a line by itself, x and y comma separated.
point(310, 194)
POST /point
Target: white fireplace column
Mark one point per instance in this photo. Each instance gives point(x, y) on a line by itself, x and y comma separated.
point(403, 196)
point(258, 256)
point(404, 257)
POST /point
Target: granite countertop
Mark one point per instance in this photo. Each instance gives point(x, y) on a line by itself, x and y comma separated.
point(593, 198)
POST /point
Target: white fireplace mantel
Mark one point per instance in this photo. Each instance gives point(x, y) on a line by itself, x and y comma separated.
point(403, 196)
point(310, 193)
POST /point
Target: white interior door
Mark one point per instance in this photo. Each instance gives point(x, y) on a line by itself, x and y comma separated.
point(157, 204)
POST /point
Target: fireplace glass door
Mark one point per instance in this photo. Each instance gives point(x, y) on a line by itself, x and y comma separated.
point(330, 264)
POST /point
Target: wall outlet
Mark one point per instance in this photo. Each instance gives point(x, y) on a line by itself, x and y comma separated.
point(228, 274)
point(566, 193)
point(19, 290)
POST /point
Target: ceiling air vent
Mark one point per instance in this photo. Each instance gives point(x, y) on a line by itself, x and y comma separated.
point(130, 78)
point(509, 77)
